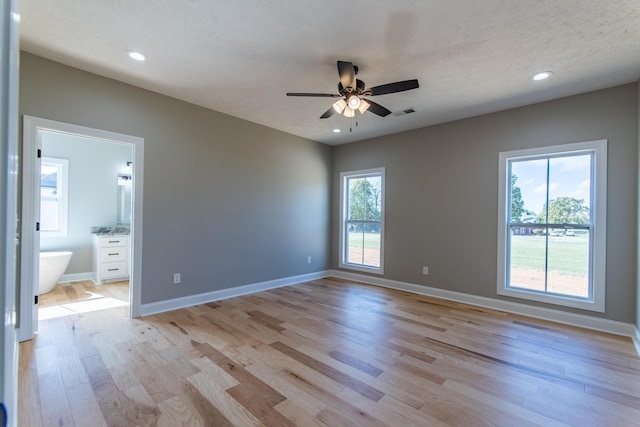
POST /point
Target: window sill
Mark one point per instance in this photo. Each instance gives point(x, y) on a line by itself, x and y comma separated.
point(362, 268)
point(566, 301)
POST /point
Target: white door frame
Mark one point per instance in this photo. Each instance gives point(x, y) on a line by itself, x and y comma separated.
point(30, 248)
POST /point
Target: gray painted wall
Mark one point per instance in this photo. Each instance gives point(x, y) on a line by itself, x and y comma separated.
point(638, 243)
point(93, 191)
point(442, 191)
point(226, 202)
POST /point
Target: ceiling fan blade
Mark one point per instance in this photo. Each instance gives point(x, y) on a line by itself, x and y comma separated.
point(330, 112)
point(347, 74)
point(378, 109)
point(394, 87)
point(320, 95)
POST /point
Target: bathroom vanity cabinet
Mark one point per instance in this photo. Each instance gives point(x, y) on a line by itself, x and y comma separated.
point(110, 258)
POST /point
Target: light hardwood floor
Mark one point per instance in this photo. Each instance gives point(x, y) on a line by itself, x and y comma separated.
point(325, 353)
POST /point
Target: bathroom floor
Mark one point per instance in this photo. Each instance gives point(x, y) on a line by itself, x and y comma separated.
point(82, 297)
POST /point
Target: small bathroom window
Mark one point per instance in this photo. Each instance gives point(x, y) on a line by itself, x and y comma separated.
point(54, 198)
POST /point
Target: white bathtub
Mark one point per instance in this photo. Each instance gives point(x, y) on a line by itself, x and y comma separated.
point(52, 267)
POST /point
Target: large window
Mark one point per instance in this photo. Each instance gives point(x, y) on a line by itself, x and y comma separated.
point(362, 225)
point(54, 184)
point(552, 237)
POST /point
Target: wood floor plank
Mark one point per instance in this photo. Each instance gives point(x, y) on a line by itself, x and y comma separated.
point(116, 407)
point(355, 363)
point(230, 408)
point(84, 406)
point(177, 413)
point(321, 353)
point(328, 371)
point(510, 413)
point(210, 415)
point(240, 374)
point(55, 408)
point(297, 415)
point(28, 388)
point(300, 398)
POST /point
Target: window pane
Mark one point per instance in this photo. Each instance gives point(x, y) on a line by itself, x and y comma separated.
point(365, 198)
point(49, 218)
point(49, 191)
point(568, 268)
point(528, 253)
point(53, 196)
point(528, 190)
point(363, 246)
point(569, 189)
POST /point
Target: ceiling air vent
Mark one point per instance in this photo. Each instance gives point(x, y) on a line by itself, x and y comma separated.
point(404, 112)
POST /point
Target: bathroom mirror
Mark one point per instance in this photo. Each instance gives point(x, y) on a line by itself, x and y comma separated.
point(124, 199)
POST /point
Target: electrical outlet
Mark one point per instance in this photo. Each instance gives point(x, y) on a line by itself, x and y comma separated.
point(308, 260)
point(176, 278)
point(425, 270)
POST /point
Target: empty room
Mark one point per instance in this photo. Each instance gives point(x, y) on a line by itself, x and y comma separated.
point(324, 214)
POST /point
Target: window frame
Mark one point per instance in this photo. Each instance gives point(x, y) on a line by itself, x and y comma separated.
point(598, 237)
point(344, 177)
point(62, 199)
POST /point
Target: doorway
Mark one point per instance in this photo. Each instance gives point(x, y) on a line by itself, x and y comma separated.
point(35, 133)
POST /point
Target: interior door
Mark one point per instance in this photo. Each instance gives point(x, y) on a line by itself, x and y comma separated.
point(8, 209)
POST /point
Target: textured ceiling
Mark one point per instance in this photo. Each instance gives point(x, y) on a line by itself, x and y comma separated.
point(240, 57)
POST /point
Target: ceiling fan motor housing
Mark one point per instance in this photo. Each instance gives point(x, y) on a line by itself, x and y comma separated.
point(359, 89)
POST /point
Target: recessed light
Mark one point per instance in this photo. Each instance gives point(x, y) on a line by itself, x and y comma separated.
point(136, 56)
point(336, 130)
point(542, 75)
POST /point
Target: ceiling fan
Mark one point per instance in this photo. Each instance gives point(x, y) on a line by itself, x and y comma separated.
point(352, 90)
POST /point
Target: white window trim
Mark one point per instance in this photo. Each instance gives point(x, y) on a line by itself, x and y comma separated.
point(343, 218)
point(63, 198)
point(599, 213)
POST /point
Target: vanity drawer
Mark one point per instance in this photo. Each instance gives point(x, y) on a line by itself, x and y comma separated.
point(117, 253)
point(113, 269)
point(113, 241)
point(110, 258)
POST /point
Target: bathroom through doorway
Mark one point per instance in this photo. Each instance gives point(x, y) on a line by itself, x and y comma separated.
point(86, 202)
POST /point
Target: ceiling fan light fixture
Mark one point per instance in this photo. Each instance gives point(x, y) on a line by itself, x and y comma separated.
point(364, 106)
point(354, 102)
point(339, 105)
point(348, 112)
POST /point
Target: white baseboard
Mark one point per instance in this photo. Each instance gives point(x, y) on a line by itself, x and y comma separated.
point(191, 300)
point(581, 320)
point(75, 277)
